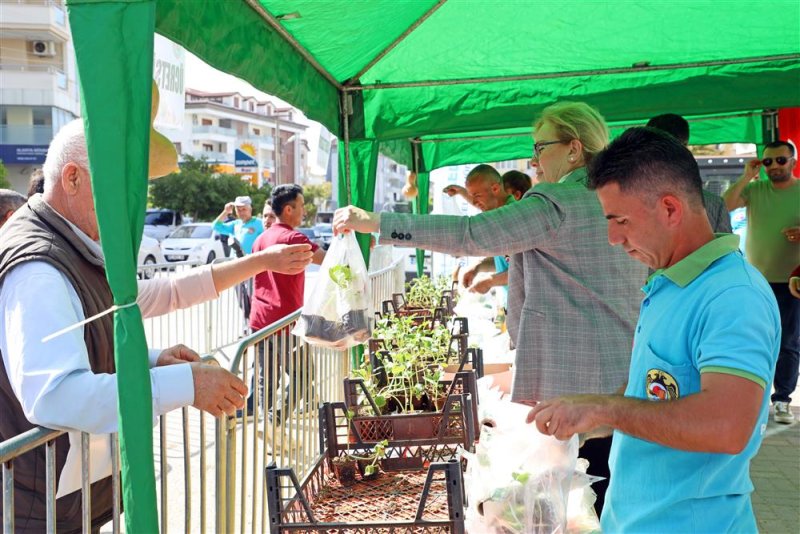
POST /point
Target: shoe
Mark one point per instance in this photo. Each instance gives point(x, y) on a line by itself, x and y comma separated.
point(783, 414)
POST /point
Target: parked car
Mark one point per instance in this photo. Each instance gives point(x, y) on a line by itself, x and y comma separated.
point(149, 254)
point(192, 242)
point(324, 233)
point(159, 223)
point(312, 236)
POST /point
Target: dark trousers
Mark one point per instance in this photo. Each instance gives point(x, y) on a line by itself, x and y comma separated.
point(789, 355)
point(271, 348)
point(597, 451)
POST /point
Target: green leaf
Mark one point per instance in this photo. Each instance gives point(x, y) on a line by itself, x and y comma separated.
point(341, 275)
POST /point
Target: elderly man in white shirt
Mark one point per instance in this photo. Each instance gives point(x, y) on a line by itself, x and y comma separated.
point(52, 277)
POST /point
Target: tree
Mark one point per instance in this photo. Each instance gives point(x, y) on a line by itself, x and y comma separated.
point(4, 183)
point(314, 195)
point(197, 191)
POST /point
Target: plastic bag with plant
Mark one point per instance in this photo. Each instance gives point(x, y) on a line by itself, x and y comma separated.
point(337, 312)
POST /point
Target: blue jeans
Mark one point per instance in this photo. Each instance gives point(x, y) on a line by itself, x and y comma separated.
point(789, 356)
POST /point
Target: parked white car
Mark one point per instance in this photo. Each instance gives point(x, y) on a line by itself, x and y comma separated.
point(192, 242)
point(149, 254)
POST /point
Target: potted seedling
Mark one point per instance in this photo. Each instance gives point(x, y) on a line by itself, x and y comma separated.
point(342, 317)
point(344, 467)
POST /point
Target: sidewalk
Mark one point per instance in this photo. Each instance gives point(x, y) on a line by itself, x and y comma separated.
point(775, 472)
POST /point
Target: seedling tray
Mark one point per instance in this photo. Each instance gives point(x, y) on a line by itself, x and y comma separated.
point(426, 499)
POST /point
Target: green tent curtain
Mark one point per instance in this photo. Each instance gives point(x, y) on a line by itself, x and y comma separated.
point(114, 52)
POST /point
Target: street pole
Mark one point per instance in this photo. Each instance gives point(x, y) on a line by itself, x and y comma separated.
point(277, 152)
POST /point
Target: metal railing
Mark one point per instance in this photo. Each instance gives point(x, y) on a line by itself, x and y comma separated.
point(205, 327)
point(195, 442)
point(282, 424)
point(284, 431)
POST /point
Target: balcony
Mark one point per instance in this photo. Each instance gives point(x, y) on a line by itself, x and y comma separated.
point(213, 130)
point(214, 157)
point(25, 135)
point(38, 85)
point(263, 141)
point(20, 18)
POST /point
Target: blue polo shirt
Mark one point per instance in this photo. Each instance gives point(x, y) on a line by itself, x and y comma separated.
point(501, 266)
point(712, 312)
point(245, 233)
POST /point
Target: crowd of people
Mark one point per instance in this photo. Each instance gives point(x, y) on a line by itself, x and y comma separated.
point(673, 422)
point(633, 312)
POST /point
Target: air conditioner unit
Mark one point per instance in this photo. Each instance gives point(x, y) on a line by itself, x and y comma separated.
point(43, 48)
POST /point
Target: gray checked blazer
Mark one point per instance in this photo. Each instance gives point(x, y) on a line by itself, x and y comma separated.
point(573, 299)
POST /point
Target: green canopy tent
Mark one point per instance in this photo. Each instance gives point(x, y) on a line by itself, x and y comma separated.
point(430, 82)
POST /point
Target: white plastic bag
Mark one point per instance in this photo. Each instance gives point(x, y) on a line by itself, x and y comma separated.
point(521, 481)
point(337, 313)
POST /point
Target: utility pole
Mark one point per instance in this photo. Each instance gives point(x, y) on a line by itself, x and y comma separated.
point(277, 151)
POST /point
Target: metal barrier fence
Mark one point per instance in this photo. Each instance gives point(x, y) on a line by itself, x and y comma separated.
point(282, 424)
point(284, 431)
point(205, 327)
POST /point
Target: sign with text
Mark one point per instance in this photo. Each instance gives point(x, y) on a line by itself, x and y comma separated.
point(23, 153)
point(168, 73)
point(244, 162)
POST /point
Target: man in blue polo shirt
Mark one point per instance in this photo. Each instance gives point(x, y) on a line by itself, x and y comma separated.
point(695, 407)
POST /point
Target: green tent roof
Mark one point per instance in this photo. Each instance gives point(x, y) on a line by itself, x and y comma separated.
point(500, 62)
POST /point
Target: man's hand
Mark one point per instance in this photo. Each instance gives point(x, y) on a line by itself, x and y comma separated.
point(453, 190)
point(177, 354)
point(352, 218)
point(287, 259)
point(792, 234)
point(565, 416)
point(468, 274)
point(751, 169)
point(216, 390)
point(794, 286)
point(482, 284)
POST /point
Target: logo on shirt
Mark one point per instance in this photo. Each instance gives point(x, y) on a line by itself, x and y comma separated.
point(661, 386)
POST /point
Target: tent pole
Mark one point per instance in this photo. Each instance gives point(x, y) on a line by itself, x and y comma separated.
point(550, 75)
point(396, 42)
point(275, 25)
point(416, 140)
point(346, 134)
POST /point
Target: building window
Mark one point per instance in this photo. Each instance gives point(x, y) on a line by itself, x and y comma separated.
point(236, 101)
point(194, 119)
point(256, 131)
point(251, 106)
point(208, 148)
point(206, 122)
point(178, 148)
point(224, 123)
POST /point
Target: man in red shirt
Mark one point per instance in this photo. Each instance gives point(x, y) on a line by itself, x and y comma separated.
point(277, 295)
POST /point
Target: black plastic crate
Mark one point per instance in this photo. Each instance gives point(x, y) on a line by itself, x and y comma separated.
point(429, 498)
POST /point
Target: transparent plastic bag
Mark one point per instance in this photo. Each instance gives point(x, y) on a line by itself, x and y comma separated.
point(337, 312)
point(521, 481)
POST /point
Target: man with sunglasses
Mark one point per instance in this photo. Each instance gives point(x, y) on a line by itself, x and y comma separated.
point(773, 247)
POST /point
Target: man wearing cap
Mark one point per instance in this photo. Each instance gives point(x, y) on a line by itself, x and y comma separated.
point(244, 228)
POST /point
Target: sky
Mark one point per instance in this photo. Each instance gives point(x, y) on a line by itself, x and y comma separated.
point(203, 77)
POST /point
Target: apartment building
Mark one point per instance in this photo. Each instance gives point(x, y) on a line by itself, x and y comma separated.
point(38, 83)
point(244, 136)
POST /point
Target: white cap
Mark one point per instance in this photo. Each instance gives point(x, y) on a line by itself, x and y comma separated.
point(243, 201)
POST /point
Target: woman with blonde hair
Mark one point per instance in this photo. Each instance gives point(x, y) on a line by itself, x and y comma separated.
point(573, 299)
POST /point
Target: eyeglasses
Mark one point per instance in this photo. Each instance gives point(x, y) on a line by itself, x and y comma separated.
point(537, 147)
point(780, 160)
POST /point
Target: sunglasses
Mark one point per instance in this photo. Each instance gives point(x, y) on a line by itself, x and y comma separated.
point(537, 147)
point(780, 160)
